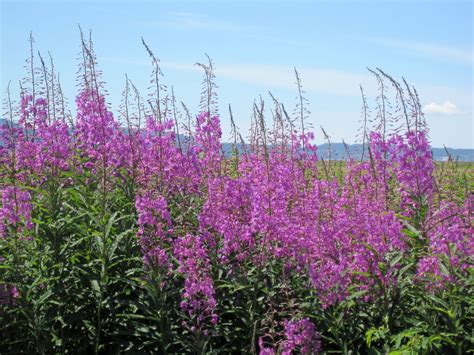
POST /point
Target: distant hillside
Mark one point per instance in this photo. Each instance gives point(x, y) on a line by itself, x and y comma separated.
point(338, 151)
point(355, 150)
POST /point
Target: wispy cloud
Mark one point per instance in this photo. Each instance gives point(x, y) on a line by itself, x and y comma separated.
point(196, 21)
point(446, 108)
point(329, 81)
point(428, 49)
point(272, 76)
point(323, 80)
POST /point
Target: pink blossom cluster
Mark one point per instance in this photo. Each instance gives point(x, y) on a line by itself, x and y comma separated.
point(153, 219)
point(44, 145)
point(98, 135)
point(198, 297)
point(15, 212)
point(301, 335)
point(448, 227)
point(208, 142)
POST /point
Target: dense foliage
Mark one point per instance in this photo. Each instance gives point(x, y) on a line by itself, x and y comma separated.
point(124, 235)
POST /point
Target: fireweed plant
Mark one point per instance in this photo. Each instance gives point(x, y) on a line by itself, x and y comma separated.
point(121, 234)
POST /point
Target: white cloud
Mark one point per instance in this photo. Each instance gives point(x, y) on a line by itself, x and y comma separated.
point(447, 108)
point(429, 49)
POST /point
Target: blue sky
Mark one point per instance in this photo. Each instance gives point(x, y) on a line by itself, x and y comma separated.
point(256, 44)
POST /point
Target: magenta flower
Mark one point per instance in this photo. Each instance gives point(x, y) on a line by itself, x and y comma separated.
point(301, 335)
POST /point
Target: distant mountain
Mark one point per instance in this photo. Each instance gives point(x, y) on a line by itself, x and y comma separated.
point(464, 155)
point(339, 151)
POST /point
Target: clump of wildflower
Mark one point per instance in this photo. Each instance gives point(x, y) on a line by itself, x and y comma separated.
point(414, 170)
point(450, 241)
point(154, 220)
point(198, 297)
point(227, 211)
point(301, 335)
point(208, 142)
point(98, 135)
point(15, 211)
